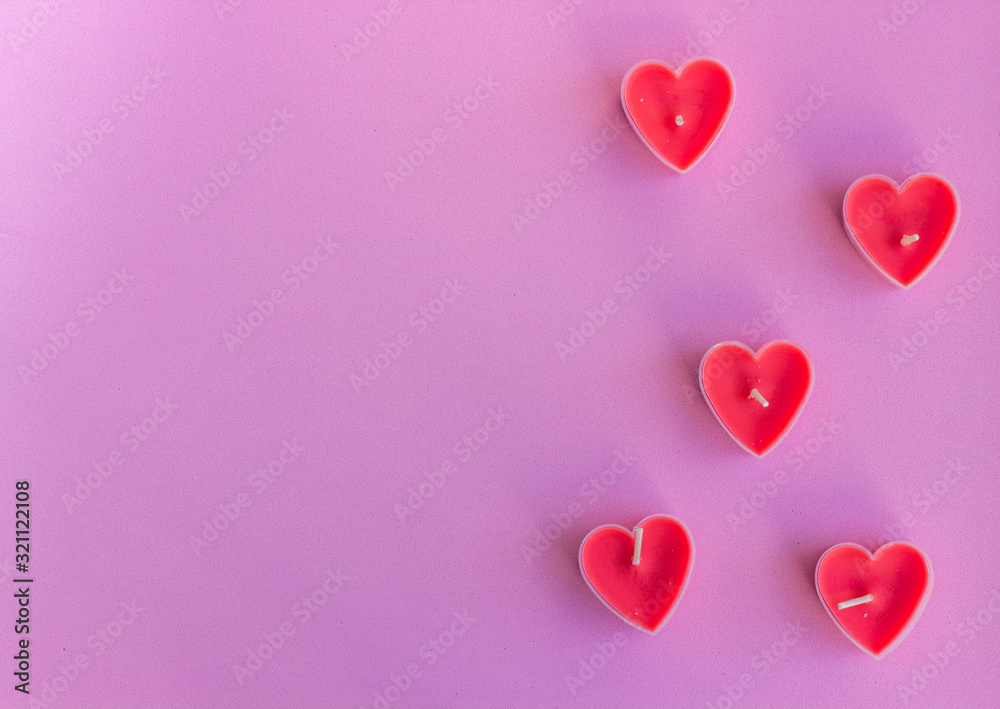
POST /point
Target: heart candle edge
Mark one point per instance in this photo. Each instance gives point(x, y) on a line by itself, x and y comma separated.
point(677, 72)
point(871, 555)
point(899, 188)
point(680, 592)
point(756, 355)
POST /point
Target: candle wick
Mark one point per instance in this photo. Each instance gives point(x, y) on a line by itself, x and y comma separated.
point(909, 239)
point(638, 546)
point(679, 120)
point(754, 394)
point(855, 602)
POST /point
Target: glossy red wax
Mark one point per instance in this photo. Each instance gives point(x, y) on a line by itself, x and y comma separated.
point(878, 214)
point(701, 94)
point(898, 577)
point(781, 372)
point(646, 594)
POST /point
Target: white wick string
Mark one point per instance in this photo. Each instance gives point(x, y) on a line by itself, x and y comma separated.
point(854, 602)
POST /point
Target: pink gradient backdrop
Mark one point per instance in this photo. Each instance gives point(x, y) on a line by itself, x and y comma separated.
point(892, 91)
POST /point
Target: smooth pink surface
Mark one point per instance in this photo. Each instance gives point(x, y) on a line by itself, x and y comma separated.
point(577, 436)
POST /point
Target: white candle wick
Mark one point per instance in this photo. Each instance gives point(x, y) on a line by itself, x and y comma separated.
point(679, 120)
point(909, 239)
point(754, 394)
point(855, 602)
point(638, 546)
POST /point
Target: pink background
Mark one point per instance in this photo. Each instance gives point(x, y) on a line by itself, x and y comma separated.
point(894, 89)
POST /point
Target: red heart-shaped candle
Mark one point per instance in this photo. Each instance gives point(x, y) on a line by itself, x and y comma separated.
point(901, 231)
point(643, 594)
point(679, 115)
point(875, 599)
point(756, 397)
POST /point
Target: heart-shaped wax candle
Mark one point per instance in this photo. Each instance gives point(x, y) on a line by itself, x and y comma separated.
point(874, 599)
point(679, 115)
point(756, 397)
point(639, 575)
point(901, 231)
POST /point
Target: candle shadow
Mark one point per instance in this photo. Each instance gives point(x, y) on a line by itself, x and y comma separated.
point(854, 147)
point(834, 197)
point(694, 422)
point(849, 512)
point(851, 149)
point(705, 319)
point(567, 516)
point(664, 34)
point(585, 609)
point(812, 512)
point(653, 34)
point(822, 208)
